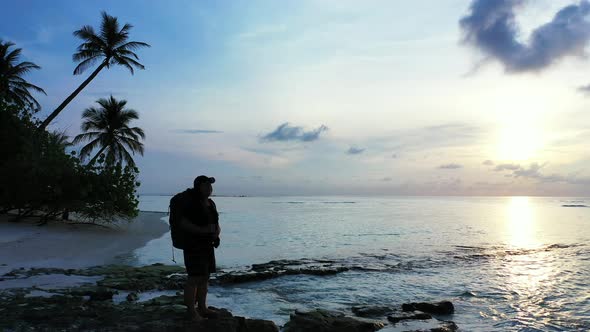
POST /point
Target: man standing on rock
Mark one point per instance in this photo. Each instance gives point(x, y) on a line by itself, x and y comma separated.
point(200, 221)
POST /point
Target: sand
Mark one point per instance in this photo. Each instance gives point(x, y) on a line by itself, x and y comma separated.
point(60, 245)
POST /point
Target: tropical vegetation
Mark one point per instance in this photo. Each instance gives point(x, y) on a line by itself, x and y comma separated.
point(110, 46)
point(41, 175)
point(108, 129)
point(13, 87)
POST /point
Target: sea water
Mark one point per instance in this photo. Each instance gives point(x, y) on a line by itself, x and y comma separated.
point(507, 263)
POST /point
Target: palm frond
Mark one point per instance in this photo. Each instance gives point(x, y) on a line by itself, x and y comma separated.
point(82, 66)
point(133, 145)
point(13, 55)
point(33, 87)
point(88, 148)
point(13, 85)
point(132, 45)
point(128, 60)
point(127, 157)
point(107, 126)
point(87, 136)
point(86, 53)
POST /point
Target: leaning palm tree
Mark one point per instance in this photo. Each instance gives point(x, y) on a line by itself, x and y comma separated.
point(110, 46)
point(13, 87)
point(107, 128)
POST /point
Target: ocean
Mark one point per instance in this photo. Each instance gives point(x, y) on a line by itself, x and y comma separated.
point(507, 263)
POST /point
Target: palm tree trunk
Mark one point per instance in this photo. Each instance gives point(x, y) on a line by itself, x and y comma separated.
point(93, 160)
point(72, 96)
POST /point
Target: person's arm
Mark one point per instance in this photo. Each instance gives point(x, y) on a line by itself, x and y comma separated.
point(192, 228)
point(217, 227)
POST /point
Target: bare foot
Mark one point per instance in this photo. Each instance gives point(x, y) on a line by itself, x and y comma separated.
point(193, 315)
point(206, 312)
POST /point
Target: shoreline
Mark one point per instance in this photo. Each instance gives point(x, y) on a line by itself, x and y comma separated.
point(26, 245)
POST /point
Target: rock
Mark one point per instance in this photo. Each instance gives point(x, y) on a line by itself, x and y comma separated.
point(165, 313)
point(368, 311)
point(102, 294)
point(448, 326)
point(440, 308)
point(416, 315)
point(278, 268)
point(258, 325)
point(328, 321)
point(90, 307)
point(144, 278)
point(164, 300)
point(132, 297)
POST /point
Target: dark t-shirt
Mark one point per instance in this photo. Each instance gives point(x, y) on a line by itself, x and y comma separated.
point(200, 215)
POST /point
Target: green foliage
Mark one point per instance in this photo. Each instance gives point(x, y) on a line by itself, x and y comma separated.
point(13, 87)
point(107, 128)
point(38, 176)
point(111, 191)
point(110, 45)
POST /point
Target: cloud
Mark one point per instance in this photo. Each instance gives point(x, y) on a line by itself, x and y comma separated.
point(355, 150)
point(261, 151)
point(533, 171)
point(488, 163)
point(285, 133)
point(491, 27)
point(430, 137)
point(585, 89)
point(506, 167)
point(450, 166)
point(197, 131)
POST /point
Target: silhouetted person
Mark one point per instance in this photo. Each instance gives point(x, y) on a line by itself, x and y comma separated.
point(201, 222)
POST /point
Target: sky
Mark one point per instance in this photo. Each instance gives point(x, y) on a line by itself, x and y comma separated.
point(449, 97)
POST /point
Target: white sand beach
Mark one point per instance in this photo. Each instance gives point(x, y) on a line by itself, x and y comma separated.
point(61, 245)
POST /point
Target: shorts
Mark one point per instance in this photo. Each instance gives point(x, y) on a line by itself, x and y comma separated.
point(199, 262)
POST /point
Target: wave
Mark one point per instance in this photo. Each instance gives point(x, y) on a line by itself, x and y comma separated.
point(372, 234)
point(469, 253)
point(326, 202)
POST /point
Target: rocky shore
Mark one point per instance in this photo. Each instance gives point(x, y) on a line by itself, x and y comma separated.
point(113, 298)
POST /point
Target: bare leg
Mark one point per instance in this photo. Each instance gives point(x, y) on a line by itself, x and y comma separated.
point(190, 292)
point(202, 289)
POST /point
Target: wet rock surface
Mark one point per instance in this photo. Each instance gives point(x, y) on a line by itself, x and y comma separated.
point(408, 317)
point(440, 308)
point(328, 321)
point(278, 268)
point(403, 316)
point(67, 312)
point(372, 312)
point(90, 307)
point(114, 303)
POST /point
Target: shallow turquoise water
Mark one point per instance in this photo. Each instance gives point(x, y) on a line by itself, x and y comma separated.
point(508, 264)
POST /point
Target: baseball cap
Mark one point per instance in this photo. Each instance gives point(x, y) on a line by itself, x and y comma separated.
point(203, 179)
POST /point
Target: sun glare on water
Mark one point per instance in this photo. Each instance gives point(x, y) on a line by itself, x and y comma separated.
point(521, 223)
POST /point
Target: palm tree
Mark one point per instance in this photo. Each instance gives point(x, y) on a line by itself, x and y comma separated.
point(13, 87)
point(110, 47)
point(60, 138)
point(107, 128)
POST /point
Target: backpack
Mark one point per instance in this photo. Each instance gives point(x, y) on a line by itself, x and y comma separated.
point(177, 203)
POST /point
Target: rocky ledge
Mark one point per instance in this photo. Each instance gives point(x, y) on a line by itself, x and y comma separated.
point(113, 302)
